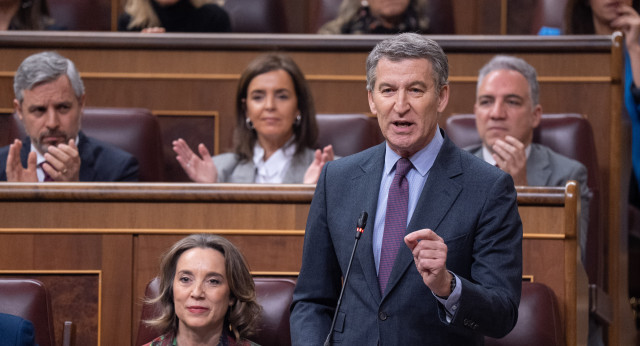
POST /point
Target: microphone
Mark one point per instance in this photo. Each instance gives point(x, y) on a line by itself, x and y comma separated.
point(362, 222)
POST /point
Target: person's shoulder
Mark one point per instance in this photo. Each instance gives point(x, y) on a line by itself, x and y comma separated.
point(123, 22)
point(4, 151)
point(215, 17)
point(13, 327)
point(225, 159)
point(362, 156)
point(556, 159)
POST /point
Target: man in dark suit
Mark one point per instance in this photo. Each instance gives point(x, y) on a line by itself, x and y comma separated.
point(49, 97)
point(16, 331)
point(457, 269)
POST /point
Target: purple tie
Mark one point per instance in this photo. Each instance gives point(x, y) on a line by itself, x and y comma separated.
point(395, 222)
point(47, 177)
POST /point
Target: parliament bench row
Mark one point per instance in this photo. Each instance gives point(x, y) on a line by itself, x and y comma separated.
point(137, 131)
point(538, 320)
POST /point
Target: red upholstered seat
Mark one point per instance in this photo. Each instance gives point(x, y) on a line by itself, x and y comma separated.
point(134, 130)
point(30, 300)
point(82, 15)
point(348, 133)
point(538, 319)
point(267, 16)
point(273, 294)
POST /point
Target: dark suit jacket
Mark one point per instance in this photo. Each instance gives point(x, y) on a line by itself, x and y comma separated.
point(470, 204)
point(16, 331)
point(99, 161)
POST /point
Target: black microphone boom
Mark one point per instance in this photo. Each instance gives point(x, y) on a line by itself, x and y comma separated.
point(362, 223)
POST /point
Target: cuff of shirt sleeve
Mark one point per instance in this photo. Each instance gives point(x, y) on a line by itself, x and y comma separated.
point(452, 302)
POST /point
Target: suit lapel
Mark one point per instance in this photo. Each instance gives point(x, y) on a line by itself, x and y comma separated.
point(438, 195)
point(87, 158)
point(366, 187)
point(24, 152)
point(538, 167)
point(245, 172)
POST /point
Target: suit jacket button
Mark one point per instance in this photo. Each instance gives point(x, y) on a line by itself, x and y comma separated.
point(382, 316)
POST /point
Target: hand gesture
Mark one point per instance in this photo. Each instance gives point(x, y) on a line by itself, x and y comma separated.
point(15, 171)
point(63, 162)
point(629, 23)
point(200, 169)
point(153, 30)
point(511, 157)
point(430, 256)
point(315, 168)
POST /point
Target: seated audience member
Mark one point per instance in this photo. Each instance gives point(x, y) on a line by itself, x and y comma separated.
point(603, 18)
point(207, 294)
point(507, 110)
point(25, 15)
point(49, 97)
point(16, 331)
point(378, 17)
point(275, 131)
point(174, 16)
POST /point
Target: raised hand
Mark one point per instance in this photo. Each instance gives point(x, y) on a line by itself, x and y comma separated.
point(200, 169)
point(315, 168)
point(15, 171)
point(430, 256)
point(511, 157)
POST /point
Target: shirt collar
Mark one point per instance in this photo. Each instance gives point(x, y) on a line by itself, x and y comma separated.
point(422, 160)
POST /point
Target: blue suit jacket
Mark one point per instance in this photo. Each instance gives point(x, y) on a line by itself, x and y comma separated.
point(99, 161)
point(470, 204)
point(16, 331)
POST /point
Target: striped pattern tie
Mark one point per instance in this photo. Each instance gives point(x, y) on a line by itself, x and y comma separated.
point(395, 222)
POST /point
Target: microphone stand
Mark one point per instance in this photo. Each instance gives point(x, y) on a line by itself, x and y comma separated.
point(362, 222)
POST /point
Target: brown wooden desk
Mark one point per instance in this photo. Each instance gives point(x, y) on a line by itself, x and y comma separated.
point(97, 245)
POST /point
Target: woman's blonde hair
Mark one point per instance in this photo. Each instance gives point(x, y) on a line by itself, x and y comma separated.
point(143, 16)
point(349, 8)
point(242, 316)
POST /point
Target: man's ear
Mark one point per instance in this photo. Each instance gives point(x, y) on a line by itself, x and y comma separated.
point(372, 105)
point(17, 109)
point(443, 98)
point(537, 116)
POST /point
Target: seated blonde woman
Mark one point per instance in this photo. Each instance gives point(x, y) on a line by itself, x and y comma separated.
point(379, 17)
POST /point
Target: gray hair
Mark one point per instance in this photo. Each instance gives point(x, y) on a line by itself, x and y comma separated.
point(43, 68)
point(506, 62)
point(409, 46)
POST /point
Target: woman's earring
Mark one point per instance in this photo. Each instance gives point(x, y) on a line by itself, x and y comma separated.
point(298, 120)
point(248, 123)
